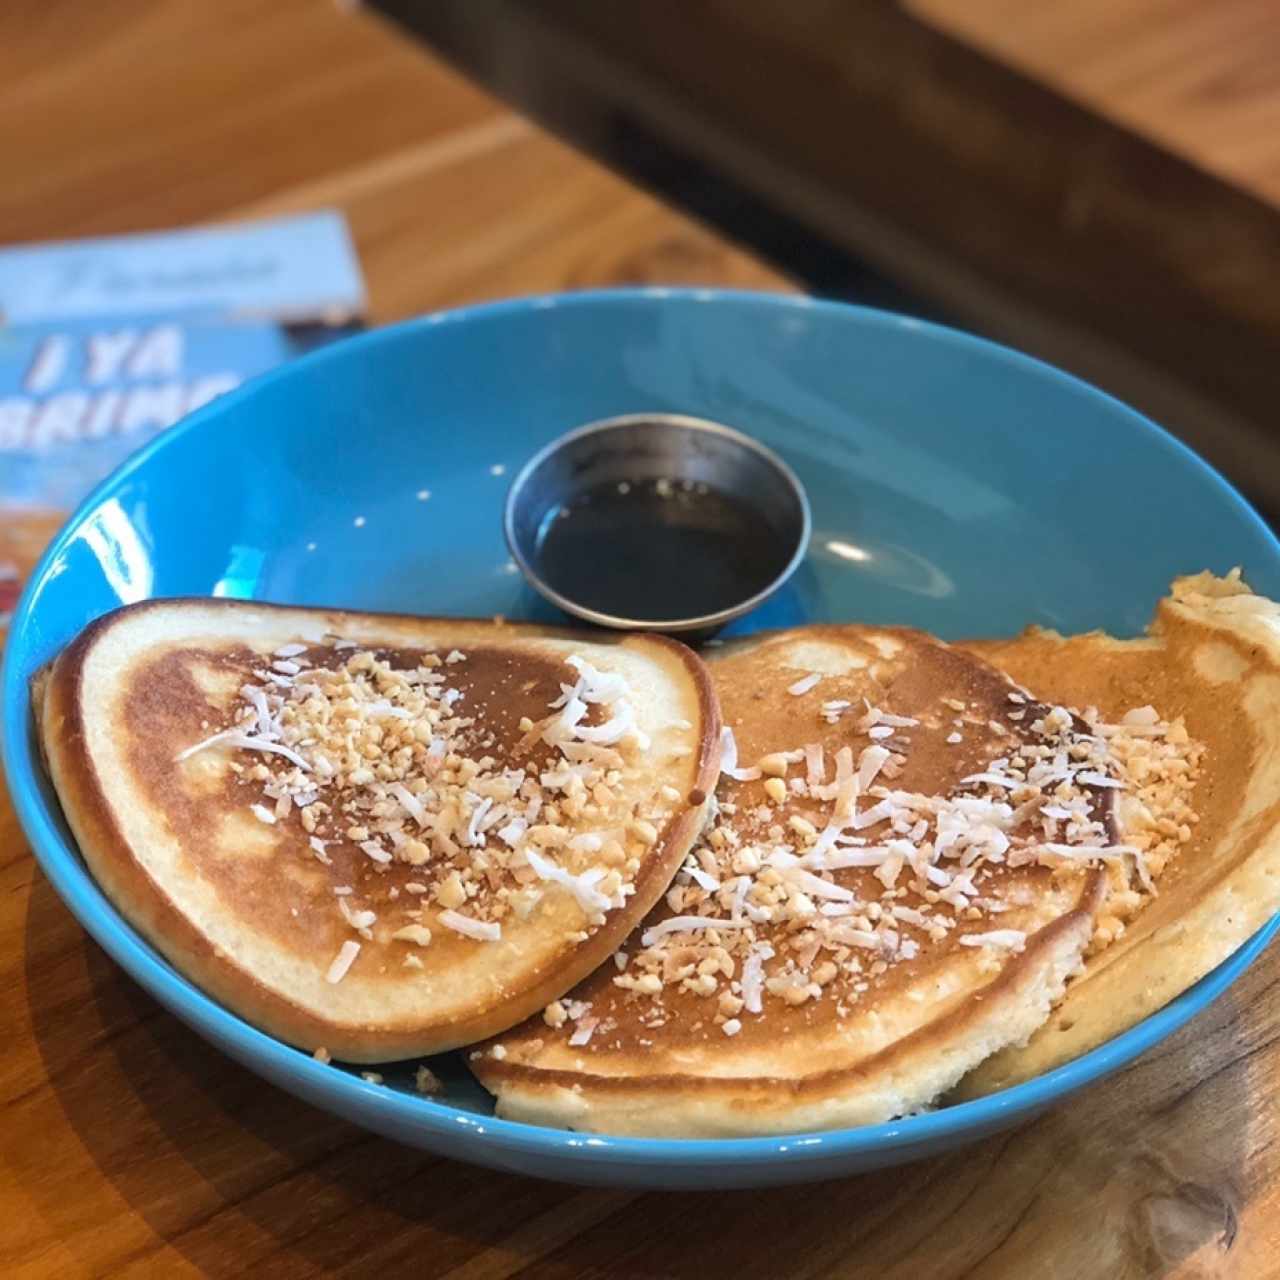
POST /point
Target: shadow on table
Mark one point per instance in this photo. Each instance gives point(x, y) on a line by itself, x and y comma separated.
point(235, 1175)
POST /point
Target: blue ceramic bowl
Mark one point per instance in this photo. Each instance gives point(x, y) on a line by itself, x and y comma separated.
point(955, 485)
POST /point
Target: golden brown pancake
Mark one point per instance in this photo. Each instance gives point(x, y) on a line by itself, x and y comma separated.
point(840, 951)
point(1212, 657)
point(370, 835)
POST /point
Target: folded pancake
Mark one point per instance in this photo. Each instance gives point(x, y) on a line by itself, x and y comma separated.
point(377, 836)
point(1211, 660)
point(903, 872)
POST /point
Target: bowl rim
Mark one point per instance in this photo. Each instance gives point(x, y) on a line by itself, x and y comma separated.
point(392, 1110)
point(701, 622)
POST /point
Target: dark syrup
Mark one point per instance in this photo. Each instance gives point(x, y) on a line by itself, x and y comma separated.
point(658, 550)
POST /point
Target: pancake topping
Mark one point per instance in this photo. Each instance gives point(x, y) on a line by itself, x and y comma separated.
point(818, 876)
point(394, 755)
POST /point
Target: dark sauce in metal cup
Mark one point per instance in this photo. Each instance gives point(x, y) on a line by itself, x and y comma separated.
point(657, 521)
point(658, 549)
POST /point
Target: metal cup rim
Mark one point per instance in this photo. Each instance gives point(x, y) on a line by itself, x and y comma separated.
point(706, 622)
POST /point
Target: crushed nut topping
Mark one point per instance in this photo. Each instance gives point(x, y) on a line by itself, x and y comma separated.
point(390, 764)
point(842, 876)
point(426, 1082)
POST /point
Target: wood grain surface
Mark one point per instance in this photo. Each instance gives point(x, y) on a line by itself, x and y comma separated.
point(127, 1146)
point(1202, 79)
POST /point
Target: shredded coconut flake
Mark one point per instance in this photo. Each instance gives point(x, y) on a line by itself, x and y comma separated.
point(342, 962)
point(1091, 779)
point(357, 919)
point(513, 832)
point(729, 759)
point(1009, 939)
point(583, 1031)
point(753, 976)
point(803, 685)
point(412, 805)
point(470, 927)
point(814, 764)
point(686, 924)
point(993, 780)
point(246, 742)
point(582, 887)
point(703, 878)
point(375, 851)
point(870, 762)
point(474, 836)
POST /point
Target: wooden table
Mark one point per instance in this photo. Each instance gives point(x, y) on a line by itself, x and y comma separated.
point(127, 1147)
point(1202, 80)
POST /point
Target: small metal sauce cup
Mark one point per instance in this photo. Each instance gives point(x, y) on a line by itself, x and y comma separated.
point(646, 447)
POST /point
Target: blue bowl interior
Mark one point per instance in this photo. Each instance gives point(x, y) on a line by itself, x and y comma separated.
point(955, 486)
